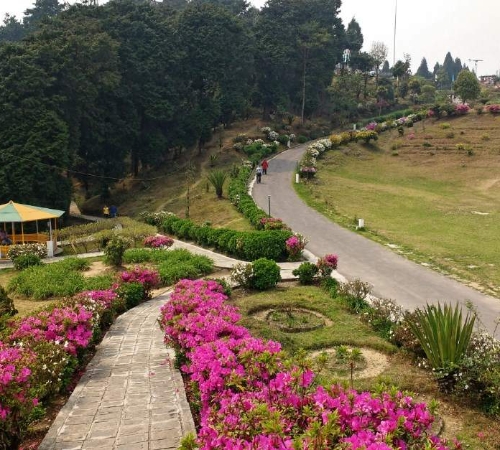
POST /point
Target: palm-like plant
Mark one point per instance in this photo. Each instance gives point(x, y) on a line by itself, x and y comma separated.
point(217, 179)
point(444, 335)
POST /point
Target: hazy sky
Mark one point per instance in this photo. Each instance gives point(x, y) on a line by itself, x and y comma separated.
point(430, 28)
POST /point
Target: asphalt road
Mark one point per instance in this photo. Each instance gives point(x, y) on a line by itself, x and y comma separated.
point(391, 275)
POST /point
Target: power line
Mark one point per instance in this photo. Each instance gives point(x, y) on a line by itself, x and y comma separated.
point(103, 177)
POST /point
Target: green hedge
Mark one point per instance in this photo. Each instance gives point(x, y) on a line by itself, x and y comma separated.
point(238, 194)
point(245, 245)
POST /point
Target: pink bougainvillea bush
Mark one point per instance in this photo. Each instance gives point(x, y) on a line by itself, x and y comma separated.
point(272, 223)
point(41, 351)
point(251, 397)
point(462, 109)
point(295, 245)
point(158, 241)
point(16, 400)
point(326, 264)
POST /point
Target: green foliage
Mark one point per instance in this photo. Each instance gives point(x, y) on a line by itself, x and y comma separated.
point(7, 308)
point(244, 245)
point(180, 263)
point(131, 293)
point(98, 283)
point(443, 334)
point(265, 274)
point(114, 251)
point(137, 255)
point(217, 178)
point(51, 280)
point(306, 272)
point(354, 294)
point(301, 139)
point(384, 315)
point(467, 86)
point(226, 286)
point(24, 261)
point(238, 194)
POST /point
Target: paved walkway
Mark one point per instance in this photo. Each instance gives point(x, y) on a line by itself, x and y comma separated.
point(131, 397)
point(391, 275)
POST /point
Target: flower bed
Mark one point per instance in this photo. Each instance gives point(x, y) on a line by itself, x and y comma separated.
point(250, 396)
point(41, 352)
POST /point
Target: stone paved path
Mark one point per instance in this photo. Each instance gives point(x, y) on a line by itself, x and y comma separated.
point(130, 397)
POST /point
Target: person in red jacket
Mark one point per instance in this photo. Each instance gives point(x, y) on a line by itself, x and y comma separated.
point(265, 165)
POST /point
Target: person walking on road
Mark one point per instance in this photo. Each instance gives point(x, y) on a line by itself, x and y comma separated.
point(265, 165)
point(258, 173)
point(105, 211)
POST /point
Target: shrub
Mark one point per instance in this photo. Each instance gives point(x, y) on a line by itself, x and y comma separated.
point(171, 273)
point(384, 315)
point(326, 264)
point(450, 135)
point(444, 336)
point(485, 137)
point(158, 241)
point(149, 279)
point(295, 244)
point(306, 272)
point(98, 283)
point(225, 285)
point(249, 245)
point(22, 262)
point(132, 293)
point(17, 250)
point(7, 308)
point(57, 279)
point(241, 274)
point(366, 136)
point(137, 255)
point(354, 294)
point(265, 274)
point(114, 251)
point(426, 144)
point(493, 109)
point(301, 139)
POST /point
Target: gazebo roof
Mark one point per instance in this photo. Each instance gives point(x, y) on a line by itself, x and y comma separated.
point(17, 212)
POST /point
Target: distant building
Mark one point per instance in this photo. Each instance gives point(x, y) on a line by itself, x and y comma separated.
point(488, 80)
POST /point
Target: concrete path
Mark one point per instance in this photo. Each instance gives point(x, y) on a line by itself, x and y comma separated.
point(130, 397)
point(391, 275)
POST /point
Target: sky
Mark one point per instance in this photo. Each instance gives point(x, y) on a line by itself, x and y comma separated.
point(425, 28)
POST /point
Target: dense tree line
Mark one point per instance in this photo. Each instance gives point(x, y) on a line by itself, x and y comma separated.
point(97, 92)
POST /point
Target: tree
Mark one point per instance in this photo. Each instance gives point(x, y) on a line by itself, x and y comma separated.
point(423, 70)
point(467, 86)
point(12, 30)
point(354, 36)
point(386, 68)
point(378, 53)
point(42, 9)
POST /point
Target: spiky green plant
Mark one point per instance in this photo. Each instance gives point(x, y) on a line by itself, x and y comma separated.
point(217, 178)
point(444, 334)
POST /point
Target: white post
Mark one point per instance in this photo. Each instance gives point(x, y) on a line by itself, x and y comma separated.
point(361, 223)
point(297, 178)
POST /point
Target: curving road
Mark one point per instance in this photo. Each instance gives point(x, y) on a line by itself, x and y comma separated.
point(391, 275)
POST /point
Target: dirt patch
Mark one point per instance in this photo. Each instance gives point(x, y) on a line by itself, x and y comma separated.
point(96, 268)
point(376, 362)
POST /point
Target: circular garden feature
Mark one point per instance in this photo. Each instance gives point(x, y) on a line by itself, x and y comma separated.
point(293, 319)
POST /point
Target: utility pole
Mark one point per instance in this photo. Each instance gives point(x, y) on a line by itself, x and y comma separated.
point(394, 43)
point(475, 61)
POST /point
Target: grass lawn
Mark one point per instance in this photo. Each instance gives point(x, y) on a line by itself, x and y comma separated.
point(474, 429)
point(423, 194)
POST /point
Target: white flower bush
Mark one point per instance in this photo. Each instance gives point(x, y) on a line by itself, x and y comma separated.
point(266, 130)
point(276, 143)
point(326, 143)
point(259, 141)
point(272, 135)
point(249, 142)
point(313, 152)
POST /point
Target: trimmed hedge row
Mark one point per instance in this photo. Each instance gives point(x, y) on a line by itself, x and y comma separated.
point(245, 245)
point(238, 194)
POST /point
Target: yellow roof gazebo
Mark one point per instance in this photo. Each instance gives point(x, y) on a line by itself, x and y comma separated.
point(18, 213)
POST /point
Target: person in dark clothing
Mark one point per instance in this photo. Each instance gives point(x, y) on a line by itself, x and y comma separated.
point(258, 173)
point(113, 211)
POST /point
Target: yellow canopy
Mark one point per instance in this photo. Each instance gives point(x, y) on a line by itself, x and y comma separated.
point(17, 212)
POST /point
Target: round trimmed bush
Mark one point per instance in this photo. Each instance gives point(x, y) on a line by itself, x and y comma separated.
point(306, 272)
point(266, 274)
